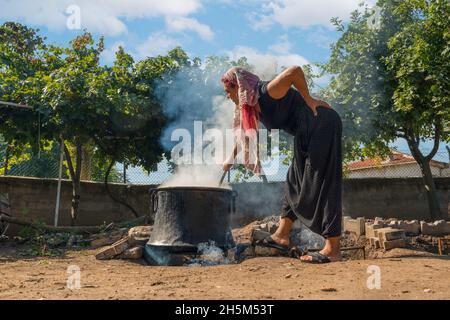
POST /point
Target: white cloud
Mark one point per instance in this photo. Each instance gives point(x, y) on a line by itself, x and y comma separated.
point(302, 13)
point(283, 46)
point(104, 16)
point(267, 64)
point(157, 43)
point(323, 81)
point(109, 54)
point(50, 13)
point(320, 37)
point(180, 24)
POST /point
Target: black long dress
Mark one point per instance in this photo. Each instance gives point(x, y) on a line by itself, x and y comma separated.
point(313, 191)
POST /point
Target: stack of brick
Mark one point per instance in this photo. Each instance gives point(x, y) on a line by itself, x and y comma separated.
point(437, 228)
point(414, 227)
point(356, 226)
point(386, 238)
point(411, 228)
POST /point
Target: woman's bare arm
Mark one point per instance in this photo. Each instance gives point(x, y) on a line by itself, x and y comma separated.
point(294, 75)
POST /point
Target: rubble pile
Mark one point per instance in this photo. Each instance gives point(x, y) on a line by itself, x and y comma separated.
point(374, 234)
point(124, 246)
point(387, 234)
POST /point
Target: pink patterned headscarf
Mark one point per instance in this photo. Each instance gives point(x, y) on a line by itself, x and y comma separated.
point(246, 113)
point(248, 107)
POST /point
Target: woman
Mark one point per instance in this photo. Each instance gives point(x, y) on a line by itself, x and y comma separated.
point(314, 179)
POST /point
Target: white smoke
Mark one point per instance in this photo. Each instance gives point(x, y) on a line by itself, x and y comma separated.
point(196, 176)
point(206, 149)
point(209, 255)
point(200, 134)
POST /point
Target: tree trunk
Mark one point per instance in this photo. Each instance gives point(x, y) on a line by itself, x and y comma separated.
point(75, 202)
point(448, 151)
point(75, 173)
point(124, 203)
point(86, 170)
point(5, 172)
point(424, 163)
point(430, 191)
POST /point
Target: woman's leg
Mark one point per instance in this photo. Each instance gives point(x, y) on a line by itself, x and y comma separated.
point(281, 236)
point(287, 219)
point(321, 206)
point(332, 248)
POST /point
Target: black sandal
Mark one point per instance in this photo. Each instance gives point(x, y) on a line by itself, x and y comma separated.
point(268, 242)
point(296, 252)
point(317, 258)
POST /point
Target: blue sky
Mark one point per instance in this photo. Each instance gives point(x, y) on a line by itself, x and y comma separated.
point(268, 32)
point(286, 31)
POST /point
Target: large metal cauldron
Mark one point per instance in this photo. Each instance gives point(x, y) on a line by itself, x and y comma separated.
point(186, 217)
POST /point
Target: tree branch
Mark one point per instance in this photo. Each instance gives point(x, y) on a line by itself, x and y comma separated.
point(5, 172)
point(108, 171)
point(413, 144)
point(448, 151)
point(400, 134)
point(69, 162)
point(79, 159)
point(437, 139)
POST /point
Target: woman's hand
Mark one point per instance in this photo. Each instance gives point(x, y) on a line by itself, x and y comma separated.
point(313, 104)
point(227, 166)
point(257, 168)
point(228, 163)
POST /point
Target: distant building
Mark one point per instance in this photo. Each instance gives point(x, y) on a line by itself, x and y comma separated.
point(397, 165)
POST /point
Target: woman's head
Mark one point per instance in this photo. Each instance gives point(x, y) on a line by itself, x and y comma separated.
point(230, 85)
point(240, 86)
point(232, 92)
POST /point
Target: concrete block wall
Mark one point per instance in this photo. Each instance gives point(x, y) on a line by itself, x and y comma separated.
point(402, 198)
point(369, 198)
point(32, 198)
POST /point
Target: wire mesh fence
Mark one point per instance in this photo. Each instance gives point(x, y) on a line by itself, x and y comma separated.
point(397, 165)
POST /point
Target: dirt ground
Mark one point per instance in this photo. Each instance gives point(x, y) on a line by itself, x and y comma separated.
point(405, 274)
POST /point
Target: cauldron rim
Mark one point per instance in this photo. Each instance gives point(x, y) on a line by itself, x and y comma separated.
point(193, 188)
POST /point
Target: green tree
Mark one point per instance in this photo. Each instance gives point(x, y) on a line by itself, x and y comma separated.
point(132, 132)
point(72, 95)
point(111, 110)
point(391, 80)
point(45, 164)
point(22, 53)
point(102, 113)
